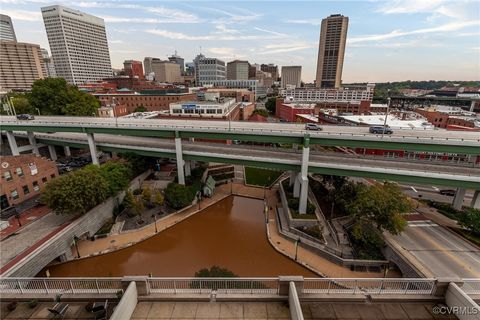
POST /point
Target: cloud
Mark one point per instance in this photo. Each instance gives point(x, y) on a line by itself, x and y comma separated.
point(226, 53)
point(409, 6)
point(242, 16)
point(286, 47)
point(448, 27)
point(113, 19)
point(313, 22)
point(23, 15)
point(211, 37)
point(224, 29)
point(282, 35)
point(115, 41)
point(398, 45)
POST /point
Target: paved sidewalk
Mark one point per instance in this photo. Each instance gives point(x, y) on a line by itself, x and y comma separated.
point(26, 217)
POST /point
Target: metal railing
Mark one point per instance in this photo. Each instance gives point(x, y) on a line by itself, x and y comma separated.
point(471, 286)
point(378, 286)
point(220, 285)
point(60, 285)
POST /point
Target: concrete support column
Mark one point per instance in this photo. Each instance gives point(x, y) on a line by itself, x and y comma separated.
point(66, 151)
point(33, 142)
point(293, 176)
point(302, 206)
point(296, 186)
point(472, 105)
point(458, 199)
point(180, 162)
point(93, 148)
point(188, 168)
point(53, 152)
point(12, 143)
point(476, 200)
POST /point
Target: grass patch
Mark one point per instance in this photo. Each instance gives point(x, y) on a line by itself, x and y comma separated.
point(296, 215)
point(470, 235)
point(105, 229)
point(444, 208)
point(261, 177)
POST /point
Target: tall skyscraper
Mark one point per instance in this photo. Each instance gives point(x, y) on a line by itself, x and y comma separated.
point(48, 62)
point(78, 42)
point(331, 51)
point(20, 65)
point(167, 71)
point(208, 69)
point(133, 69)
point(178, 60)
point(6, 28)
point(270, 68)
point(238, 70)
point(291, 76)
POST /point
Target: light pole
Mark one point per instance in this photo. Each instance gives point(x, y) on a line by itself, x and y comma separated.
point(114, 111)
point(93, 114)
point(296, 248)
point(75, 240)
point(38, 110)
point(12, 106)
point(154, 216)
point(386, 115)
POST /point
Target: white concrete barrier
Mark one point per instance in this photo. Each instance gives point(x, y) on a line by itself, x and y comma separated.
point(459, 304)
point(127, 304)
point(294, 303)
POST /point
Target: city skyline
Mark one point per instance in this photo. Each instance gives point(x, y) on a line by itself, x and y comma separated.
point(387, 40)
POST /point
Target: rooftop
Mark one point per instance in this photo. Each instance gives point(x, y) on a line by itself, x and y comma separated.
point(392, 121)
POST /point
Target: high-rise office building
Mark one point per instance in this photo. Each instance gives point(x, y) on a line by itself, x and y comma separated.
point(148, 63)
point(272, 69)
point(48, 62)
point(133, 69)
point(291, 76)
point(178, 60)
point(331, 51)
point(20, 65)
point(6, 28)
point(238, 70)
point(167, 71)
point(78, 42)
point(208, 69)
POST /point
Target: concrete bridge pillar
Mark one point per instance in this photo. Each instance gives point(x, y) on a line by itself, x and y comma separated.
point(293, 176)
point(93, 148)
point(302, 207)
point(66, 151)
point(180, 162)
point(296, 186)
point(188, 168)
point(458, 199)
point(33, 142)
point(53, 152)
point(12, 143)
point(476, 200)
point(472, 105)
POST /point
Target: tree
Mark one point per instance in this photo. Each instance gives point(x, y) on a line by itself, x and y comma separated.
point(117, 175)
point(179, 196)
point(158, 198)
point(382, 206)
point(470, 219)
point(147, 194)
point(214, 272)
point(76, 192)
point(270, 104)
point(140, 108)
point(54, 96)
point(137, 206)
point(129, 199)
point(22, 105)
point(261, 112)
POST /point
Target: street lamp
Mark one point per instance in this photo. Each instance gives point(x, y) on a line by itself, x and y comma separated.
point(75, 240)
point(386, 113)
point(38, 110)
point(154, 216)
point(93, 114)
point(296, 248)
point(114, 111)
point(18, 219)
point(198, 199)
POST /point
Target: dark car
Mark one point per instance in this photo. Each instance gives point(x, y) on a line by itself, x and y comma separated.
point(25, 117)
point(448, 192)
point(380, 129)
point(313, 126)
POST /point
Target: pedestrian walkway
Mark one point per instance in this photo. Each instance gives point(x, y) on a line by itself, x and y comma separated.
point(28, 216)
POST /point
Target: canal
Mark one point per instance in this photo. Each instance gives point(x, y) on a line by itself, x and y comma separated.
point(230, 234)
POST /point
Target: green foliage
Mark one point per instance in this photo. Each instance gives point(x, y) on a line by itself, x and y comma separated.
point(179, 196)
point(22, 105)
point(140, 108)
point(261, 112)
point(137, 163)
point(158, 198)
point(129, 199)
point(367, 240)
point(115, 173)
point(380, 205)
point(76, 192)
point(344, 195)
point(53, 96)
point(261, 177)
point(147, 194)
point(214, 272)
point(138, 207)
point(270, 104)
point(470, 219)
point(293, 204)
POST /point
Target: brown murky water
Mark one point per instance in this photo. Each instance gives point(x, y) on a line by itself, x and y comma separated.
point(230, 234)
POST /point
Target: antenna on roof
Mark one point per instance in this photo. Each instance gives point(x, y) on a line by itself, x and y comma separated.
point(200, 49)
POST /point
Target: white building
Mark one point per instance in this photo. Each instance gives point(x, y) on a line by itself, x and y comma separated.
point(291, 75)
point(78, 42)
point(7, 32)
point(251, 85)
point(393, 121)
point(208, 69)
point(211, 109)
point(48, 62)
point(313, 95)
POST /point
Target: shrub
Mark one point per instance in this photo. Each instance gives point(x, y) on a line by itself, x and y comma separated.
point(179, 196)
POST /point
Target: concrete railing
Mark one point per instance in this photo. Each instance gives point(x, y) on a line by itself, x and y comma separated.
point(127, 304)
point(294, 303)
point(459, 304)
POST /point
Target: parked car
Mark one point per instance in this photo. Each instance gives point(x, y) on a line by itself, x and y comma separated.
point(448, 192)
point(25, 117)
point(380, 129)
point(313, 126)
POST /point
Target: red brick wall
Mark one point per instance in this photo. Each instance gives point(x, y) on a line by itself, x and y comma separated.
point(151, 102)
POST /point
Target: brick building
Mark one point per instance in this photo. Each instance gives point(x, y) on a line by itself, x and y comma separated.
point(133, 69)
point(288, 111)
point(23, 176)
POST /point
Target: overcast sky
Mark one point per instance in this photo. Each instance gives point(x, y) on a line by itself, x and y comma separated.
point(387, 40)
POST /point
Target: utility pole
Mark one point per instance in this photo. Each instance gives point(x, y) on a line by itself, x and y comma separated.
point(386, 113)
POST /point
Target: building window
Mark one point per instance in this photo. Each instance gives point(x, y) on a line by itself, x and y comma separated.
point(44, 179)
point(14, 194)
point(36, 187)
point(7, 175)
point(25, 190)
point(19, 171)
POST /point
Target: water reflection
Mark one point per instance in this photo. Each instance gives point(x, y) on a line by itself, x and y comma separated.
point(230, 234)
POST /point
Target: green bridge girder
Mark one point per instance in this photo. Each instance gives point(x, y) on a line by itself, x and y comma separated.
point(338, 140)
point(279, 166)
